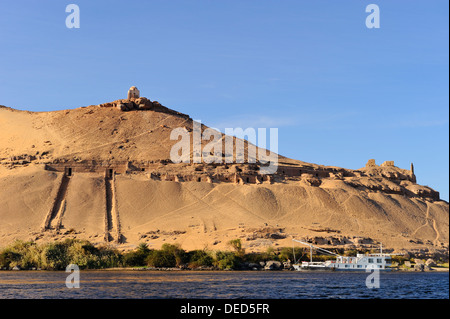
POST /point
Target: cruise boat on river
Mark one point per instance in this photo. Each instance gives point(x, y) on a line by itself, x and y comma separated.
point(360, 262)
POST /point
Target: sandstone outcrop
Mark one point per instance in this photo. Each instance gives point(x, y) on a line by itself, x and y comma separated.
point(273, 265)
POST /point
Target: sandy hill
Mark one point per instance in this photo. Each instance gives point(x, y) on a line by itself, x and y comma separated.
point(103, 173)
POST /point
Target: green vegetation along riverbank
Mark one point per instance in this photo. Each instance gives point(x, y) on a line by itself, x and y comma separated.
point(58, 255)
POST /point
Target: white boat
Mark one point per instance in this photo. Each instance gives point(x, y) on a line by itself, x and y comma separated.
point(360, 262)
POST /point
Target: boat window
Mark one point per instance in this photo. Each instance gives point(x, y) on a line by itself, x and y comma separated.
point(370, 260)
point(379, 260)
point(359, 266)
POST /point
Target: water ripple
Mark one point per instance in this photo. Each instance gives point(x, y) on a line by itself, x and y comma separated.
point(226, 285)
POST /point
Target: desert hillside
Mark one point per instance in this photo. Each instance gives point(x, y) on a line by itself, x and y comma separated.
point(104, 173)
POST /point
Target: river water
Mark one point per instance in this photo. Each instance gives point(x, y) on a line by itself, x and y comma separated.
point(228, 285)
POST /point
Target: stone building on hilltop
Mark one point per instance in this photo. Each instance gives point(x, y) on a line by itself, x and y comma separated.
point(133, 93)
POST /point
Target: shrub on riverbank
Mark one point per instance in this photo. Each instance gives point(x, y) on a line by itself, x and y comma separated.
point(168, 256)
point(136, 258)
point(200, 259)
point(225, 260)
point(56, 256)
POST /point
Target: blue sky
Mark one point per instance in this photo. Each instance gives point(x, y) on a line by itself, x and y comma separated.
point(338, 92)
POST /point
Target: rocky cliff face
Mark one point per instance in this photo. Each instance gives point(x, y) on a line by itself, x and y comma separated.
point(104, 173)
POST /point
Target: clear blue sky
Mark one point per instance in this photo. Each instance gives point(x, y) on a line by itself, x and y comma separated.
point(339, 93)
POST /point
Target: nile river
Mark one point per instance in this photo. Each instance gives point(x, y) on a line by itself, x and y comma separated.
point(228, 285)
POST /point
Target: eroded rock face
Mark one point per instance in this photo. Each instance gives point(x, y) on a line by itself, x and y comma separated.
point(422, 191)
point(311, 180)
point(141, 104)
point(340, 241)
point(273, 265)
point(419, 267)
point(430, 263)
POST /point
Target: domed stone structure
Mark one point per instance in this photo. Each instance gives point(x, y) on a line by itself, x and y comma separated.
point(133, 93)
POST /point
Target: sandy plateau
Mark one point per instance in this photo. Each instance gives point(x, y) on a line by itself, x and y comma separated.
point(103, 173)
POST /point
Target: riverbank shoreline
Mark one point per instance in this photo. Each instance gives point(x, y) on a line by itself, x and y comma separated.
point(85, 255)
point(176, 269)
